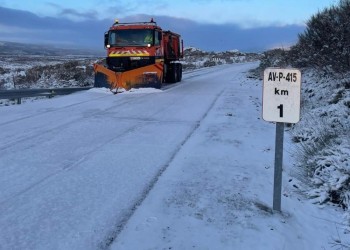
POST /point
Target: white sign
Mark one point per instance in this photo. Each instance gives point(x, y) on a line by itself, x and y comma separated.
point(281, 95)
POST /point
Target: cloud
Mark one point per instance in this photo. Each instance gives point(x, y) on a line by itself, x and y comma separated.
point(80, 15)
point(72, 13)
point(27, 27)
point(16, 25)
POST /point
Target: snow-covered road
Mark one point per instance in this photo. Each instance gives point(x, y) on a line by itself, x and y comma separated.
point(74, 168)
point(187, 167)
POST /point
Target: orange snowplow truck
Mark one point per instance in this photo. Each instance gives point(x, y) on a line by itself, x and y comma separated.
point(139, 55)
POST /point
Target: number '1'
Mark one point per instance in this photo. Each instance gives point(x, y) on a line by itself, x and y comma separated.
point(280, 107)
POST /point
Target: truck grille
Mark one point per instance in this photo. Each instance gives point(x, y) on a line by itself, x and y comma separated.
point(121, 64)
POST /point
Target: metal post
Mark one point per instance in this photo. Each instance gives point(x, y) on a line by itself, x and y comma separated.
point(277, 185)
point(19, 100)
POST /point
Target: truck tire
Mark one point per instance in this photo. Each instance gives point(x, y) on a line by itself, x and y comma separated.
point(179, 72)
point(170, 73)
point(175, 73)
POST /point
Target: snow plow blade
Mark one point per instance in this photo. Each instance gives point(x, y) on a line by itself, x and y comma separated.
point(147, 76)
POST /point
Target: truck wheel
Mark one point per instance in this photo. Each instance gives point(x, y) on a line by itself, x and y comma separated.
point(179, 72)
point(175, 73)
point(171, 73)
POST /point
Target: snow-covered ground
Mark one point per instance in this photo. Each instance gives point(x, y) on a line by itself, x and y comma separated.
point(31, 71)
point(189, 167)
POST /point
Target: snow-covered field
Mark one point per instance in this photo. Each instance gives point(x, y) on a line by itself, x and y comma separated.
point(188, 167)
point(32, 71)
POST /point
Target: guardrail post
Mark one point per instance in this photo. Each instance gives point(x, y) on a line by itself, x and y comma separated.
point(19, 100)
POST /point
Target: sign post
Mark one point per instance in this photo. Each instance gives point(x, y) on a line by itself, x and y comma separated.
point(277, 182)
point(281, 104)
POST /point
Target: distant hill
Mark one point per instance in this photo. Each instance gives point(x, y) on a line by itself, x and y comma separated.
point(12, 48)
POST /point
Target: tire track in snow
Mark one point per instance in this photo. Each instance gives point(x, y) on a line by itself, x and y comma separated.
point(69, 166)
point(90, 153)
point(120, 225)
point(49, 111)
point(166, 87)
point(38, 133)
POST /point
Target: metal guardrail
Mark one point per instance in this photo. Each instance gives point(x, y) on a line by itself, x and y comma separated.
point(17, 94)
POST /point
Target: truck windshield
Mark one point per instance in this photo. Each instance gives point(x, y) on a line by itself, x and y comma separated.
point(131, 37)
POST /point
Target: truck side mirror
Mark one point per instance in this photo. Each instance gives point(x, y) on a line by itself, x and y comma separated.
point(106, 39)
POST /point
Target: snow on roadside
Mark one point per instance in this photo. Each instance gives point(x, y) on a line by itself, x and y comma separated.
point(141, 91)
point(217, 192)
point(101, 90)
point(323, 141)
point(126, 92)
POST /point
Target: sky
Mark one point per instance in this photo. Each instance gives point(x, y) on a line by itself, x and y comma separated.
point(232, 24)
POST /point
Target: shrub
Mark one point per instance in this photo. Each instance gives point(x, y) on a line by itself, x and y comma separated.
point(325, 44)
point(3, 71)
point(271, 58)
point(209, 63)
point(324, 157)
point(70, 73)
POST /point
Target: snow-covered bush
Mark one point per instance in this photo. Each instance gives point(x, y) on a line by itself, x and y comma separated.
point(35, 72)
point(325, 44)
point(195, 58)
point(323, 140)
point(209, 63)
point(271, 58)
point(326, 163)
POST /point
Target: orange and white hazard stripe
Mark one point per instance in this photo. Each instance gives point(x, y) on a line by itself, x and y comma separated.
point(129, 53)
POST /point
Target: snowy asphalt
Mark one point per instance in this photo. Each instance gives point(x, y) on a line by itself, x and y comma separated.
point(74, 168)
